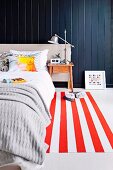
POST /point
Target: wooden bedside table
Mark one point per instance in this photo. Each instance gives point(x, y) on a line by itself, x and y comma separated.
point(62, 68)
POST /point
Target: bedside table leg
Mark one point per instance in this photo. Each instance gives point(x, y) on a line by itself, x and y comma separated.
point(71, 79)
point(50, 71)
point(69, 84)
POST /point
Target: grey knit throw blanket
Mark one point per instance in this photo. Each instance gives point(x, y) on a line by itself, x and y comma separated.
point(23, 121)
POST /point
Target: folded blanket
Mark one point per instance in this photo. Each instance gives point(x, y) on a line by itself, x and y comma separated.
point(23, 121)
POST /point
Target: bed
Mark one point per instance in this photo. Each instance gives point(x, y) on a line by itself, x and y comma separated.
point(25, 98)
point(54, 161)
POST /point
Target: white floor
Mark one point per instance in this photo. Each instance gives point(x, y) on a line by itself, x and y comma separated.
point(86, 161)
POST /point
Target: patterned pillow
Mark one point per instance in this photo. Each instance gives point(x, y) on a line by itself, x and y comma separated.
point(4, 65)
point(40, 58)
point(26, 63)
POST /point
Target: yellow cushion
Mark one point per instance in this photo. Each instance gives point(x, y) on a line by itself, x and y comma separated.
point(26, 63)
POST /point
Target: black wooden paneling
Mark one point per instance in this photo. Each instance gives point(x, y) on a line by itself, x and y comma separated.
point(111, 58)
point(29, 31)
point(81, 41)
point(87, 34)
point(42, 21)
point(22, 33)
point(89, 25)
point(75, 29)
point(2, 21)
point(9, 36)
point(55, 16)
point(15, 22)
point(94, 37)
point(101, 35)
point(35, 25)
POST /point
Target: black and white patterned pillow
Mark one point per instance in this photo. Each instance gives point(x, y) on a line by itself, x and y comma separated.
point(4, 65)
point(4, 62)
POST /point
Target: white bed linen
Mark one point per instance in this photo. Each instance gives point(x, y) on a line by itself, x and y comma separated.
point(41, 80)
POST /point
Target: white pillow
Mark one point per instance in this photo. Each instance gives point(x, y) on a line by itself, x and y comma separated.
point(14, 52)
point(41, 60)
point(13, 63)
point(40, 57)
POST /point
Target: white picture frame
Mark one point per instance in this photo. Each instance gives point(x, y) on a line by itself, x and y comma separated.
point(95, 80)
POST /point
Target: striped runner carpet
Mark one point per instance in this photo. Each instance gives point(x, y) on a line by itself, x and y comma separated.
point(77, 126)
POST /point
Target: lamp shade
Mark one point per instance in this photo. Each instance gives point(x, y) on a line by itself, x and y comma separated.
point(54, 40)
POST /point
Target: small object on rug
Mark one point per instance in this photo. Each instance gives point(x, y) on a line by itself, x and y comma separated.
point(79, 94)
point(69, 96)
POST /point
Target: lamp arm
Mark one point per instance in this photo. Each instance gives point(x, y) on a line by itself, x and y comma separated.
point(64, 40)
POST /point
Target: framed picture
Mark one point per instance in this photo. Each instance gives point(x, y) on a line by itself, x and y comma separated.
point(95, 80)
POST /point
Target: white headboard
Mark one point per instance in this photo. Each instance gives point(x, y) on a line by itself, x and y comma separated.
point(53, 49)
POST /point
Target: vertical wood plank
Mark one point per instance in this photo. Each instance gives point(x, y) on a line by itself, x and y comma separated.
point(55, 16)
point(8, 22)
point(15, 21)
point(35, 21)
point(87, 34)
point(48, 19)
point(75, 40)
point(108, 56)
point(101, 34)
point(62, 19)
point(68, 19)
point(94, 39)
point(2, 21)
point(28, 22)
point(22, 32)
point(111, 60)
point(42, 21)
point(81, 42)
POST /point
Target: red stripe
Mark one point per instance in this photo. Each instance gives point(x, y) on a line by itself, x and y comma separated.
point(63, 144)
point(103, 122)
point(94, 135)
point(50, 127)
point(78, 131)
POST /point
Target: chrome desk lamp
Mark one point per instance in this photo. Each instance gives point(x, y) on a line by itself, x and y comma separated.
point(54, 40)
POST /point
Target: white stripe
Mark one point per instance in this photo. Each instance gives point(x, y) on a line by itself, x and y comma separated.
point(86, 134)
point(54, 147)
point(103, 138)
point(70, 129)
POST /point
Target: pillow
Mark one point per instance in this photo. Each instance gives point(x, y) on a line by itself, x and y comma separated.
point(4, 65)
point(4, 61)
point(13, 63)
point(14, 52)
point(40, 57)
point(26, 63)
point(41, 60)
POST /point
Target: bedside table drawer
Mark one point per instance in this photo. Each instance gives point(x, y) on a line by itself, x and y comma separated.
point(60, 69)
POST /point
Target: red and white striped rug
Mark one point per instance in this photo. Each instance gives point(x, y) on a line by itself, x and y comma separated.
point(78, 126)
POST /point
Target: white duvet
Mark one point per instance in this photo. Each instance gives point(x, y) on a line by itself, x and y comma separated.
point(43, 83)
point(41, 80)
